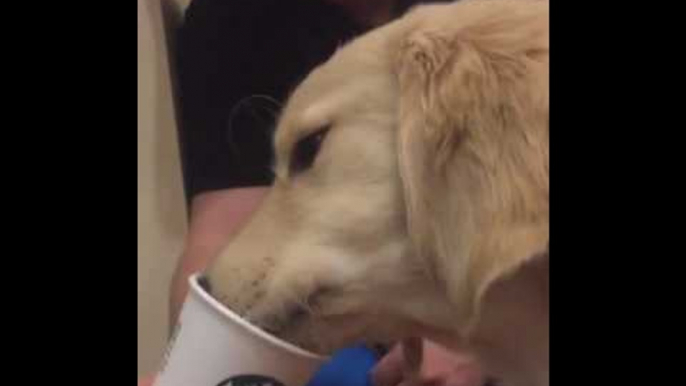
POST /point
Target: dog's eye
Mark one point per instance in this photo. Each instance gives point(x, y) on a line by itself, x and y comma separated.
point(306, 150)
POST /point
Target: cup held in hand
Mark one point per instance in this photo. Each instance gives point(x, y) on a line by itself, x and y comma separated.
point(212, 346)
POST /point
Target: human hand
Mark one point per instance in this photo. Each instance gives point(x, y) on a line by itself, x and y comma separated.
point(147, 381)
point(439, 367)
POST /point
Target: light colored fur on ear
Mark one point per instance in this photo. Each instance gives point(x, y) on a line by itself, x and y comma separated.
point(473, 143)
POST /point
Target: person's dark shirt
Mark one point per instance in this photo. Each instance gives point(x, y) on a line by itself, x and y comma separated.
point(237, 62)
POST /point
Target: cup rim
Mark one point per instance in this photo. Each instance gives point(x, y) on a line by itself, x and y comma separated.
point(197, 289)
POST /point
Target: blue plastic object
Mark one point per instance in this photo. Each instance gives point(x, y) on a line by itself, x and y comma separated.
point(348, 367)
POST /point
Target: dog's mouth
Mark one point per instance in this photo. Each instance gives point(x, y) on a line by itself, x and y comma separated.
point(313, 322)
point(280, 325)
point(293, 315)
point(317, 324)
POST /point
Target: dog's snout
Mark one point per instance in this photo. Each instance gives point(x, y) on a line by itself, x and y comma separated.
point(290, 315)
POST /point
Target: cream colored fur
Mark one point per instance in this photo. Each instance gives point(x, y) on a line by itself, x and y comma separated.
point(426, 210)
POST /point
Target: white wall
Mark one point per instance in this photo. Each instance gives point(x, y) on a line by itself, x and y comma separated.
point(161, 206)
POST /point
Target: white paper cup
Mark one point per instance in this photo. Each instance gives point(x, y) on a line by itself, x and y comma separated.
point(212, 346)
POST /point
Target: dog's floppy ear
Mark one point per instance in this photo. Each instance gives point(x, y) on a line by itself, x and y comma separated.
point(473, 148)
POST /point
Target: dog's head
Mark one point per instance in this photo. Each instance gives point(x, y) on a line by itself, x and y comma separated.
point(411, 175)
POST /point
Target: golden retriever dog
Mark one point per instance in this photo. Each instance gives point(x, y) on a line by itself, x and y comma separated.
point(411, 195)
